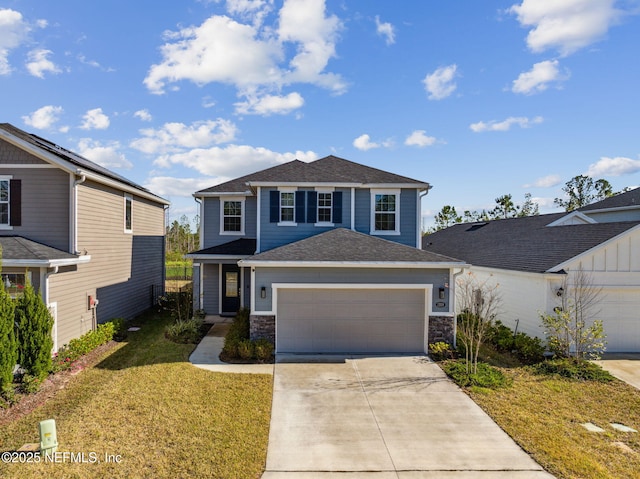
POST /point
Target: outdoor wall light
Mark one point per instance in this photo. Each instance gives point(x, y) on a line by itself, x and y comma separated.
point(560, 291)
point(263, 292)
point(440, 293)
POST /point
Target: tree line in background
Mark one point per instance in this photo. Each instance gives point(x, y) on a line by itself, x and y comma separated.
point(182, 237)
point(580, 191)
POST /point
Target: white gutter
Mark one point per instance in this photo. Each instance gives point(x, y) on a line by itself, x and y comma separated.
point(46, 284)
point(200, 202)
point(258, 209)
point(45, 263)
point(73, 220)
point(353, 209)
point(421, 195)
point(352, 264)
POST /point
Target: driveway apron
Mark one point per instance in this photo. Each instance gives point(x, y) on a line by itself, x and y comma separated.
point(383, 417)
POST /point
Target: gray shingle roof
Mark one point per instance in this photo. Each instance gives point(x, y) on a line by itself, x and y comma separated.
point(239, 247)
point(630, 198)
point(521, 244)
point(330, 170)
point(23, 249)
point(71, 157)
point(343, 245)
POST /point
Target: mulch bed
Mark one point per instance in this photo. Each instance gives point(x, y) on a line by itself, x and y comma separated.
point(54, 383)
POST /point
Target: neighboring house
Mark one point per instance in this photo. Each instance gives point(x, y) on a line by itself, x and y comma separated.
point(326, 255)
point(90, 241)
point(530, 257)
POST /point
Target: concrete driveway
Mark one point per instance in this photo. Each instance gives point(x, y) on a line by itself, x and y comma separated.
point(383, 418)
point(624, 366)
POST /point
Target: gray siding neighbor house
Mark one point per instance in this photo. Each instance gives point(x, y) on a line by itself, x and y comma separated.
point(90, 241)
point(327, 257)
point(534, 259)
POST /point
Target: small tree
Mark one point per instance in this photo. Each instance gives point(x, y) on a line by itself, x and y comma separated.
point(8, 343)
point(34, 333)
point(572, 329)
point(478, 303)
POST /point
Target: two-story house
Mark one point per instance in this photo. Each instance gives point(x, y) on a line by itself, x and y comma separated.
point(327, 257)
point(90, 241)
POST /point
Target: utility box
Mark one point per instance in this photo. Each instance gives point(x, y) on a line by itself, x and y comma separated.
point(48, 436)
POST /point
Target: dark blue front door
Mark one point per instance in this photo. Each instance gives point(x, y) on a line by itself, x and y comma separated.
point(230, 289)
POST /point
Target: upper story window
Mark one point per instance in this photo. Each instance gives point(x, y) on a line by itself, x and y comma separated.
point(232, 216)
point(325, 207)
point(385, 212)
point(287, 206)
point(4, 202)
point(10, 202)
point(128, 213)
point(14, 283)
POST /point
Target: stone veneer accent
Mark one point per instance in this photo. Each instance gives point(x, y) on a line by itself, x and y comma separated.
point(262, 327)
point(441, 328)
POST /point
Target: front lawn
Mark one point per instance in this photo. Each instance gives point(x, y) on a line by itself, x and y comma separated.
point(145, 405)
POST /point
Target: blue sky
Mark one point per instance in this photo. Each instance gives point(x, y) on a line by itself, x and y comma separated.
point(480, 99)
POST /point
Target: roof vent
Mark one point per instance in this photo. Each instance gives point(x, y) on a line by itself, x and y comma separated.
point(476, 226)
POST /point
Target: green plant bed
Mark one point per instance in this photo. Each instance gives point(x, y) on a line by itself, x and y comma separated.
point(574, 369)
point(486, 376)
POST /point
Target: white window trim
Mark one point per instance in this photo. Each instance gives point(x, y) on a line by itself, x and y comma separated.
point(127, 197)
point(7, 226)
point(287, 189)
point(324, 223)
point(242, 200)
point(394, 232)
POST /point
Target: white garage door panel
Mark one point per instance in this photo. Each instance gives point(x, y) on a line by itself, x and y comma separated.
point(350, 320)
point(621, 320)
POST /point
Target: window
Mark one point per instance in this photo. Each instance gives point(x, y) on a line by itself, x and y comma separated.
point(231, 216)
point(287, 207)
point(325, 207)
point(128, 213)
point(14, 283)
point(385, 214)
point(4, 202)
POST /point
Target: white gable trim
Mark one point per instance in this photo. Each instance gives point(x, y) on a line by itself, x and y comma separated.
point(566, 220)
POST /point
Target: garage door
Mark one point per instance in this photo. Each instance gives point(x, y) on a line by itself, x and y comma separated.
point(621, 320)
point(350, 321)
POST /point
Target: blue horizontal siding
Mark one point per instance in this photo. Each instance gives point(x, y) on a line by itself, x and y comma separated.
point(212, 236)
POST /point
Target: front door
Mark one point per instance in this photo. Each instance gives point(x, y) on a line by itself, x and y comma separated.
point(230, 289)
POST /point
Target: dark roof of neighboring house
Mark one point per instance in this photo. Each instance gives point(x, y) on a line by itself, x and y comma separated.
point(239, 247)
point(71, 157)
point(331, 170)
point(343, 245)
point(630, 198)
point(20, 248)
point(521, 244)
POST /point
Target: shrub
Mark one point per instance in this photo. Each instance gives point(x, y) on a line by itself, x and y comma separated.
point(440, 351)
point(34, 333)
point(184, 332)
point(120, 328)
point(78, 347)
point(7, 396)
point(526, 348)
point(263, 349)
point(30, 384)
point(8, 343)
point(485, 377)
point(574, 369)
point(246, 349)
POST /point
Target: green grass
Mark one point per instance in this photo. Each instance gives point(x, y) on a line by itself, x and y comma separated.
point(164, 417)
point(544, 413)
point(178, 269)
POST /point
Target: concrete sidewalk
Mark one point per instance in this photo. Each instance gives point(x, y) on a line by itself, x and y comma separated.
point(382, 418)
point(206, 355)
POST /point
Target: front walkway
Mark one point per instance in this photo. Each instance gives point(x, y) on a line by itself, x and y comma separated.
point(383, 417)
point(206, 355)
point(624, 366)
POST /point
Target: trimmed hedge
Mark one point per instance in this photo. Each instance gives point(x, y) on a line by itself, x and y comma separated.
point(86, 343)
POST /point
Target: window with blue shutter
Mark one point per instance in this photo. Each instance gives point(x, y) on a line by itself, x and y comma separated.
point(274, 206)
point(337, 207)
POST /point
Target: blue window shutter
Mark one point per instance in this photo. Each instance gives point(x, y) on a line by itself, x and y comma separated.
point(337, 207)
point(300, 206)
point(274, 206)
point(312, 205)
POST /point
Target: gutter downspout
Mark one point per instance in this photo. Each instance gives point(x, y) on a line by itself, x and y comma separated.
point(421, 195)
point(199, 300)
point(46, 302)
point(74, 209)
point(452, 294)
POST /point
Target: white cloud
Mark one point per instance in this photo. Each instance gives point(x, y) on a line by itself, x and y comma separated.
point(95, 120)
point(170, 186)
point(144, 115)
point(440, 84)
point(106, 155)
point(385, 30)
point(270, 104)
point(174, 137)
point(566, 25)
point(44, 118)
point(38, 63)
point(258, 60)
point(505, 125)
point(420, 138)
point(232, 160)
point(545, 182)
point(538, 78)
point(364, 143)
point(13, 32)
point(618, 166)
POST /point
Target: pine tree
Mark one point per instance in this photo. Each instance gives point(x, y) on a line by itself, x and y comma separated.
point(34, 333)
point(8, 343)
